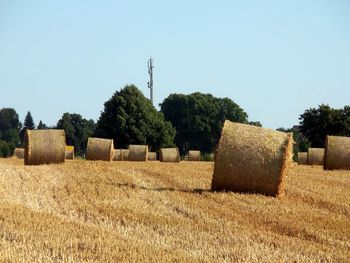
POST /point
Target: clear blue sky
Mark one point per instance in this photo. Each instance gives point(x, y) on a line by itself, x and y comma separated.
point(273, 58)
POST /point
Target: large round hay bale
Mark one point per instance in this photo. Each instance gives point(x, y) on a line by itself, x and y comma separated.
point(315, 156)
point(152, 156)
point(194, 156)
point(125, 155)
point(252, 159)
point(337, 153)
point(138, 153)
point(169, 155)
point(44, 147)
point(302, 158)
point(118, 155)
point(69, 152)
point(19, 153)
point(99, 149)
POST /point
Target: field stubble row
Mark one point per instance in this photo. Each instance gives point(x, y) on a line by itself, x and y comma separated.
point(98, 211)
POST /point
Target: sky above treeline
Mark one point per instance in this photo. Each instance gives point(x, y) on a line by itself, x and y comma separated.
point(275, 59)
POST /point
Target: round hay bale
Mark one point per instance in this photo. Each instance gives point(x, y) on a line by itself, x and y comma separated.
point(169, 155)
point(138, 153)
point(337, 153)
point(19, 153)
point(44, 147)
point(302, 158)
point(315, 156)
point(125, 155)
point(194, 156)
point(252, 159)
point(152, 156)
point(69, 152)
point(99, 149)
point(118, 155)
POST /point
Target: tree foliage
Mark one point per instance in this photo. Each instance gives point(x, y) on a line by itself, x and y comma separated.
point(29, 122)
point(317, 123)
point(301, 144)
point(198, 119)
point(130, 118)
point(77, 130)
point(42, 126)
point(9, 120)
point(9, 131)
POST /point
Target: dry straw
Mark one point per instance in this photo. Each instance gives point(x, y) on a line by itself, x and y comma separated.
point(302, 158)
point(337, 153)
point(252, 159)
point(169, 155)
point(315, 156)
point(152, 156)
point(19, 153)
point(138, 153)
point(99, 149)
point(194, 155)
point(118, 155)
point(69, 152)
point(44, 147)
point(125, 154)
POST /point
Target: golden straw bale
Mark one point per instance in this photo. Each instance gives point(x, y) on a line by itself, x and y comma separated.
point(252, 159)
point(118, 155)
point(138, 153)
point(302, 158)
point(337, 153)
point(125, 155)
point(69, 152)
point(152, 156)
point(315, 156)
point(19, 153)
point(99, 149)
point(169, 155)
point(44, 147)
point(194, 155)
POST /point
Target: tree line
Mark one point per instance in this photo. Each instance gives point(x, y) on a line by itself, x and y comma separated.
point(191, 121)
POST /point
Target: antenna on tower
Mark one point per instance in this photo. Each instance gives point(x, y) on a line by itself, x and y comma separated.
point(150, 82)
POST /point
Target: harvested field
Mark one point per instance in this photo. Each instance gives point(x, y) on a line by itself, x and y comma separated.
point(112, 211)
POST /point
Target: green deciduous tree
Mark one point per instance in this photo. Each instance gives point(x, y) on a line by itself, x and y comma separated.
point(9, 131)
point(77, 130)
point(198, 119)
point(301, 144)
point(29, 122)
point(130, 118)
point(9, 120)
point(317, 123)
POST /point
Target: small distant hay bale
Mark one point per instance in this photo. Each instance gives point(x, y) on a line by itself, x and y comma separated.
point(252, 159)
point(315, 156)
point(99, 149)
point(138, 153)
point(118, 155)
point(19, 153)
point(169, 155)
point(194, 156)
point(69, 152)
point(152, 156)
point(44, 147)
point(337, 153)
point(125, 155)
point(302, 158)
